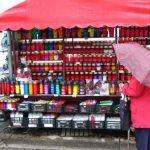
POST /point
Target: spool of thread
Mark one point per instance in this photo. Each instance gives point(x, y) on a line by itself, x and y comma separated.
point(30, 88)
point(7, 87)
point(82, 88)
point(50, 33)
point(12, 87)
point(41, 87)
point(51, 46)
point(52, 89)
point(46, 88)
point(26, 88)
point(63, 88)
point(21, 88)
point(69, 88)
point(57, 87)
point(17, 88)
point(75, 88)
point(35, 87)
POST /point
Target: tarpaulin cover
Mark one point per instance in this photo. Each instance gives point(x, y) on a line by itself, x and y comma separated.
point(81, 13)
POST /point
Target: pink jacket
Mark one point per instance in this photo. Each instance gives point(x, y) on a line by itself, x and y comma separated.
point(140, 103)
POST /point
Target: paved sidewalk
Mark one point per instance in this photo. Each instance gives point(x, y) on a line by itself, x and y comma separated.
point(39, 139)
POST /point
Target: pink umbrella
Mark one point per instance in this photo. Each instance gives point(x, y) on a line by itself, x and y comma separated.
point(136, 59)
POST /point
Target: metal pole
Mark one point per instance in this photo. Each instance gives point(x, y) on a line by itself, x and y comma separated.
point(10, 56)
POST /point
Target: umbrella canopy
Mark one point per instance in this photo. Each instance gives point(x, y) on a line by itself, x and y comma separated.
point(69, 13)
point(136, 59)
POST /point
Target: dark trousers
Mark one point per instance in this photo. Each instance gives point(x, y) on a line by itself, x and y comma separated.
point(142, 136)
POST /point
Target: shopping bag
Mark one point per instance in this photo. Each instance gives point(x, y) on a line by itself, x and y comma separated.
point(125, 113)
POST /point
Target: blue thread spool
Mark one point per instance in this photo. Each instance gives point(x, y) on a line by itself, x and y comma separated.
point(26, 88)
point(52, 89)
point(50, 34)
point(51, 45)
point(85, 33)
point(60, 77)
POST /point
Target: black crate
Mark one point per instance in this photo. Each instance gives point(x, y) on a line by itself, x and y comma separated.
point(39, 107)
point(80, 125)
point(64, 123)
point(69, 108)
point(87, 108)
point(34, 122)
point(26, 107)
point(113, 123)
point(104, 109)
point(55, 108)
point(48, 122)
point(97, 124)
point(18, 122)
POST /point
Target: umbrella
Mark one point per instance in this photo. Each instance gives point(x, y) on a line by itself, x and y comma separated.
point(136, 59)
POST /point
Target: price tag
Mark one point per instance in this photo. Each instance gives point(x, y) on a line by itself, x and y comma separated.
point(74, 95)
point(93, 71)
point(56, 95)
point(77, 63)
point(12, 95)
point(16, 124)
point(32, 125)
point(48, 125)
point(26, 96)
point(1, 94)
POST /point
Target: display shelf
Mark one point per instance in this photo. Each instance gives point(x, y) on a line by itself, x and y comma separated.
point(50, 71)
point(101, 63)
point(71, 96)
point(86, 51)
point(42, 61)
point(40, 40)
point(33, 51)
point(89, 39)
point(91, 71)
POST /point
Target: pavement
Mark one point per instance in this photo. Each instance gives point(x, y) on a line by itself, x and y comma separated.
point(57, 139)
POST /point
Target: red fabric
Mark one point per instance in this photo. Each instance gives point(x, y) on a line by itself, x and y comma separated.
point(81, 13)
point(140, 103)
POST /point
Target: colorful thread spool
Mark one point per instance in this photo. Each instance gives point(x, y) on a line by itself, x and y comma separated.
point(17, 88)
point(57, 87)
point(21, 88)
point(52, 89)
point(26, 88)
point(46, 88)
point(82, 88)
point(30, 88)
point(75, 88)
point(35, 87)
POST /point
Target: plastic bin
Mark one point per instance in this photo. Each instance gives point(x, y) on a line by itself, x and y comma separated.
point(39, 106)
point(113, 123)
point(49, 121)
point(97, 121)
point(64, 121)
point(104, 107)
point(26, 107)
point(80, 121)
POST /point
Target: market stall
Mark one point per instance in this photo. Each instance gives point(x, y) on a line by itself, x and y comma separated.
point(69, 75)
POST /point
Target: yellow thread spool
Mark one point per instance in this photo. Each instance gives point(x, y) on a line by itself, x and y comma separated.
point(30, 88)
point(17, 89)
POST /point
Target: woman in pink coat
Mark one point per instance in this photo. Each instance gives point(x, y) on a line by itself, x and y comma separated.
point(140, 112)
